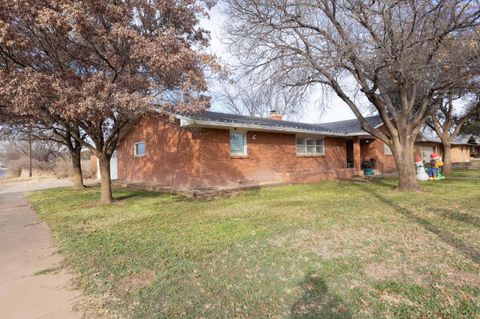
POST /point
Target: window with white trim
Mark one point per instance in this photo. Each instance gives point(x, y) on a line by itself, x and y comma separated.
point(139, 149)
point(238, 144)
point(386, 149)
point(310, 146)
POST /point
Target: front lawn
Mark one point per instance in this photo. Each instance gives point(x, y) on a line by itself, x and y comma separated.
point(327, 250)
point(463, 173)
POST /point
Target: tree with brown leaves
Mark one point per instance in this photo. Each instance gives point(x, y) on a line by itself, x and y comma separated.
point(34, 112)
point(103, 63)
point(412, 49)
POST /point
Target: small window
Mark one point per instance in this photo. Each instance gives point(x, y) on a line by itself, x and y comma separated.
point(310, 146)
point(386, 149)
point(238, 144)
point(139, 149)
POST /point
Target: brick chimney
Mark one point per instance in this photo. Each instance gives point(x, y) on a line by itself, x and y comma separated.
point(275, 116)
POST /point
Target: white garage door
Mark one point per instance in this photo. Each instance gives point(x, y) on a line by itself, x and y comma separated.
point(113, 167)
point(426, 152)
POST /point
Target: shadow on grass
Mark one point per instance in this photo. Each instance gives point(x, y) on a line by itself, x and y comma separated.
point(447, 237)
point(317, 302)
point(380, 182)
point(137, 194)
point(457, 216)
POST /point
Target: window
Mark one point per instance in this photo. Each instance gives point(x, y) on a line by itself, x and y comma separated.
point(139, 149)
point(386, 149)
point(310, 146)
point(238, 144)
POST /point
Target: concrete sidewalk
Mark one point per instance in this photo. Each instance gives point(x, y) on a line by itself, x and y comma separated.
point(26, 248)
point(28, 185)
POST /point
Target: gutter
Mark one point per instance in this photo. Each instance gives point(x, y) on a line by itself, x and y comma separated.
point(188, 122)
point(362, 133)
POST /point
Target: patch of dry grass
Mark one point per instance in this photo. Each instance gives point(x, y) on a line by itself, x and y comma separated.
point(328, 250)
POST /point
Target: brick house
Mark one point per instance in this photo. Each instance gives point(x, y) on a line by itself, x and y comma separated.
point(211, 149)
point(464, 149)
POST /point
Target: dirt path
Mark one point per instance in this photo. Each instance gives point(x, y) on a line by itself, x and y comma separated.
point(28, 286)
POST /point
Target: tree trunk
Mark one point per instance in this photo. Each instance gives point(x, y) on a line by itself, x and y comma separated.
point(30, 156)
point(447, 158)
point(404, 158)
point(77, 168)
point(106, 183)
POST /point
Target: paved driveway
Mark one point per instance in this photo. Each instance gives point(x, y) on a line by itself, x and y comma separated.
point(28, 287)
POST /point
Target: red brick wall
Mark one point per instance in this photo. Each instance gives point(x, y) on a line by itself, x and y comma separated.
point(374, 148)
point(200, 157)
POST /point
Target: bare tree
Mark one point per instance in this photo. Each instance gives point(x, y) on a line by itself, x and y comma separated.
point(21, 150)
point(448, 120)
point(409, 47)
point(49, 132)
point(250, 98)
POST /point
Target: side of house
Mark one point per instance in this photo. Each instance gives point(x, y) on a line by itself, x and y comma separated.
point(465, 149)
point(212, 149)
point(424, 149)
point(160, 151)
point(380, 153)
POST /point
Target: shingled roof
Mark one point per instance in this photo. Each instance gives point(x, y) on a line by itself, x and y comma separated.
point(341, 128)
point(465, 140)
point(353, 126)
point(459, 140)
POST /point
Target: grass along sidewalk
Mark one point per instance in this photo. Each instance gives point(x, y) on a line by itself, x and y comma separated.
point(327, 250)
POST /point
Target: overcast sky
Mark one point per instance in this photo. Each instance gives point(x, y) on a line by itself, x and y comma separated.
point(321, 107)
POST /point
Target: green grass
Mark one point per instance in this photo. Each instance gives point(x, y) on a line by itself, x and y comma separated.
point(326, 250)
point(460, 173)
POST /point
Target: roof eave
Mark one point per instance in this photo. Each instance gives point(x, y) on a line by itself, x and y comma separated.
point(361, 133)
point(189, 122)
point(462, 143)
